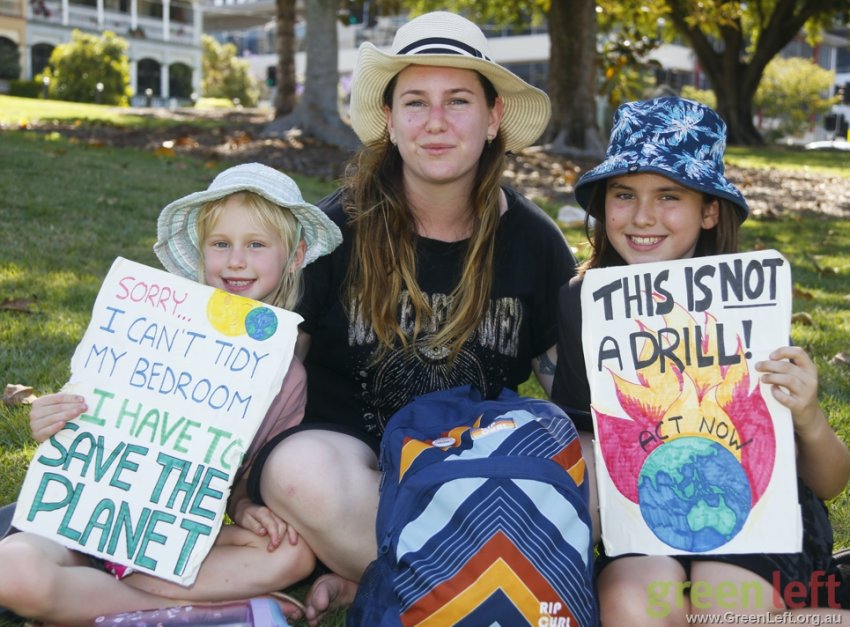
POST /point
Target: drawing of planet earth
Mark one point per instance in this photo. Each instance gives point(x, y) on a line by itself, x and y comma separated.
point(261, 323)
point(694, 494)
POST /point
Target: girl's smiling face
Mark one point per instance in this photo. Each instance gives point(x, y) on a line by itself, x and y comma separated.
point(649, 217)
point(241, 255)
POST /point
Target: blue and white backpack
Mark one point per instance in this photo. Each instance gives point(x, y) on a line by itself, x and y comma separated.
point(482, 518)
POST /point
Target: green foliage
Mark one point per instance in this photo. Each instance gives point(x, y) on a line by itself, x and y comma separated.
point(24, 89)
point(629, 34)
point(705, 96)
point(791, 91)
point(77, 67)
point(226, 76)
point(518, 13)
point(625, 77)
point(789, 95)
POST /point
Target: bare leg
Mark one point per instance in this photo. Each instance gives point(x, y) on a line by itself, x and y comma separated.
point(728, 590)
point(643, 591)
point(41, 579)
point(327, 593)
point(238, 566)
point(325, 484)
point(589, 455)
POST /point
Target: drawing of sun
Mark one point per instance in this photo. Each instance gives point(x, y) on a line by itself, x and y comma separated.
point(234, 315)
point(696, 446)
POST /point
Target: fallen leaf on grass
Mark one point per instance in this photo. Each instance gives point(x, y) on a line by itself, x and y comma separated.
point(239, 139)
point(802, 294)
point(17, 394)
point(23, 305)
point(842, 359)
point(184, 141)
point(802, 318)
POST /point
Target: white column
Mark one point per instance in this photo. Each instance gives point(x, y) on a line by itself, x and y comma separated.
point(134, 14)
point(163, 80)
point(65, 12)
point(133, 73)
point(166, 20)
point(26, 62)
point(197, 20)
point(196, 75)
point(100, 14)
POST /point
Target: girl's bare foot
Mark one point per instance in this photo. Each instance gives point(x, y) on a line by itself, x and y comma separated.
point(328, 592)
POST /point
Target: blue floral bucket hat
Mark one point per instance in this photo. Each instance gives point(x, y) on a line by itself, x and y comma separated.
point(677, 138)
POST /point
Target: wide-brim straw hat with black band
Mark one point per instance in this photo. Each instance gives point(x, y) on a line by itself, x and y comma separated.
point(443, 39)
point(177, 243)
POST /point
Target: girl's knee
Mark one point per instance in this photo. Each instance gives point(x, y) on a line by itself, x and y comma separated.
point(643, 590)
point(26, 584)
point(642, 603)
point(292, 468)
point(313, 471)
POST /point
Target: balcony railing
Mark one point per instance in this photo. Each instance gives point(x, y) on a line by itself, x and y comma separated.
point(11, 8)
point(85, 17)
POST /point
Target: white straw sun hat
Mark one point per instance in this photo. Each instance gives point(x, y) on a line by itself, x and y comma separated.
point(443, 39)
point(177, 243)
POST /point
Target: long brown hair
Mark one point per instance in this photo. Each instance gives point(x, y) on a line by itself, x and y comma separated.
point(718, 240)
point(383, 262)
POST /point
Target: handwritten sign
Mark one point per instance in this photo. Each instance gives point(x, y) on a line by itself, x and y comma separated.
point(177, 377)
point(693, 453)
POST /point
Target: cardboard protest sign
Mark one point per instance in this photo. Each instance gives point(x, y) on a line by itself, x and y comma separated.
point(177, 377)
point(693, 453)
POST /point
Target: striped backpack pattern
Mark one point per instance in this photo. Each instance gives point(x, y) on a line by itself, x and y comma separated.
point(482, 518)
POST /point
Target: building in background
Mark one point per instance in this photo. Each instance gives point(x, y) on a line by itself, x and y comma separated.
point(13, 36)
point(164, 38)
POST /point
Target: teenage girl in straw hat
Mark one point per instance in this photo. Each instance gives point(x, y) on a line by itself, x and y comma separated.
point(250, 234)
point(444, 278)
point(660, 195)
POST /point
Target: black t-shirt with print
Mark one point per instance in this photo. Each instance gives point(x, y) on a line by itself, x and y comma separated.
point(346, 386)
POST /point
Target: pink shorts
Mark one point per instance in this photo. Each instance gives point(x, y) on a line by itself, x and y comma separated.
point(119, 571)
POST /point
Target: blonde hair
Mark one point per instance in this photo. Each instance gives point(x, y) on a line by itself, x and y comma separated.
point(276, 219)
point(383, 262)
point(718, 240)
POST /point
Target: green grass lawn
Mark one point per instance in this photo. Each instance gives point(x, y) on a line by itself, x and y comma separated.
point(68, 210)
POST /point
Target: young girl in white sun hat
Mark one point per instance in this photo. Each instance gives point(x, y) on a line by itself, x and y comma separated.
point(250, 234)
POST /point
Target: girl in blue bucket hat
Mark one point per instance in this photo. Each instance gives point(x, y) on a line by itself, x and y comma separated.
point(661, 195)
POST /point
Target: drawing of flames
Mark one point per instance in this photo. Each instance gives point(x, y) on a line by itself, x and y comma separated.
point(696, 447)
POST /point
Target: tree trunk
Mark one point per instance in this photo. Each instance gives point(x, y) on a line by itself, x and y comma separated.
point(733, 79)
point(317, 112)
point(573, 130)
point(735, 106)
point(284, 99)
